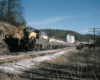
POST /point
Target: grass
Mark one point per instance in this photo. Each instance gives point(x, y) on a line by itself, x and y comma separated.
point(81, 58)
point(83, 64)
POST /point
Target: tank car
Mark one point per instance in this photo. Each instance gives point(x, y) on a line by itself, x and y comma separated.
point(56, 43)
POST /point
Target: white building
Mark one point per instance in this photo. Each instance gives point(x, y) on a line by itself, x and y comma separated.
point(70, 39)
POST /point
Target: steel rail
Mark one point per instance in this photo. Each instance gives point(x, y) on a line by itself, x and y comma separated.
point(20, 57)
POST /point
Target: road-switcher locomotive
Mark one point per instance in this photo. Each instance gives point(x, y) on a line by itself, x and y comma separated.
point(35, 40)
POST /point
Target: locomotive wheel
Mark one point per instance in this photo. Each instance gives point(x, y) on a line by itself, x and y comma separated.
point(50, 47)
point(23, 50)
point(35, 48)
point(60, 47)
point(47, 47)
point(38, 48)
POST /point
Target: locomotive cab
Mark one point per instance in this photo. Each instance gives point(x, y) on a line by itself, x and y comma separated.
point(29, 40)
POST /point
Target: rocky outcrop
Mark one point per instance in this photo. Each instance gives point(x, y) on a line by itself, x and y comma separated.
point(9, 32)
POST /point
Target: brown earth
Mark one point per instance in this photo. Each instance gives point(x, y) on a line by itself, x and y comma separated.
point(9, 31)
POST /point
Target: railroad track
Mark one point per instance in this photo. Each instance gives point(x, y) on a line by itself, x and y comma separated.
point(20, 63)
point(21, 55)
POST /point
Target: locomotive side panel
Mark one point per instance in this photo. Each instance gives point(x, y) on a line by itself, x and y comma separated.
point(42, 40)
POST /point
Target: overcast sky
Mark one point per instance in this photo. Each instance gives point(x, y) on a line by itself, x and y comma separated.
point(74, 15)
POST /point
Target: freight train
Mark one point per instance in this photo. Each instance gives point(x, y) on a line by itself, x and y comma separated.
point(34, 39)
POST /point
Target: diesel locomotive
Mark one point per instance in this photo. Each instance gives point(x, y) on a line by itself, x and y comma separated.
point(35, 40)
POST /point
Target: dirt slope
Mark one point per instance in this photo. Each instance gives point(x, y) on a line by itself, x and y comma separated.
point(9, 31)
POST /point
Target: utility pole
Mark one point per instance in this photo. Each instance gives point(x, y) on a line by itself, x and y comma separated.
point(94, 30)
point(88, 40)
point(65, 37)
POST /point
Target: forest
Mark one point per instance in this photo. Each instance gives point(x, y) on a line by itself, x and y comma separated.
point(11, 11)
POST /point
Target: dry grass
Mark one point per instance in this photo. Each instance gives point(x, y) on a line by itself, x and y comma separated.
point(9, 77)
point(83, 64)
point(81, 58)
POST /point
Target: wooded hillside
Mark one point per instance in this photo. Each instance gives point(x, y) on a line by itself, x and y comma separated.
point(61, 34)
point(11, 11)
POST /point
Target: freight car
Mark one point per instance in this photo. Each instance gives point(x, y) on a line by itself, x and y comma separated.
point(55, 43)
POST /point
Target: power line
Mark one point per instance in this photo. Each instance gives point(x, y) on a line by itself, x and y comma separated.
point(94, 30)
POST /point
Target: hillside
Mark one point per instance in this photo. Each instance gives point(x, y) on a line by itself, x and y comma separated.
point(61, 34)
point(9, 31)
